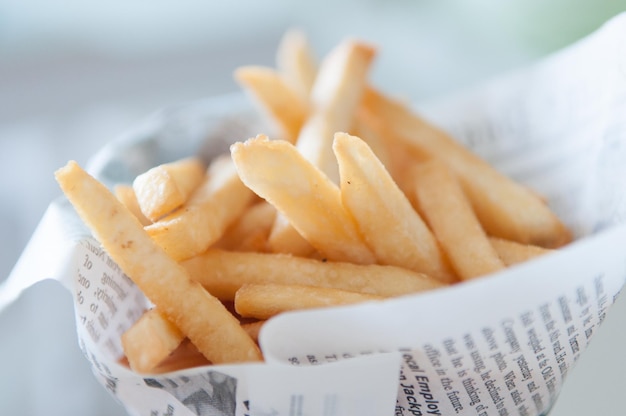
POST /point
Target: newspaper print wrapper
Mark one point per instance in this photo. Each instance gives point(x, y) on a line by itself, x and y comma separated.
point(499, 345)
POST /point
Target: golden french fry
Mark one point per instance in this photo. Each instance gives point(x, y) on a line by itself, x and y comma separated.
point(224, 272)
point(389, 224)
point(450, 216)
point(251, 231)
point(512, 252)
point(253, 329)
point(185, 356)
point(296, 61)
point(150, 341)
point(164, 188)
point(276, 171)
point(126, 195)
point(335, 96)
point(184, 302)
point(212, 208)
point(505, 208)
point(278, 100)
point(285, 239)
point(399, 157)
point(267, 300)
point(374, 139)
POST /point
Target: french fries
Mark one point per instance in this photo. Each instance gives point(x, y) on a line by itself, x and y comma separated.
point(200, 316)
point(277, 171)
point(126, 195)
point(391, 227)
point(512, 252)
point(267, 300)
point(296, 62)
point(251, 231)
point(357, 199)
point(283, 105)
point(450, 216)
point(253, 329)
point(150, 341)
point(505, 208)
point(223, 272)
point(335, 96)
point(379, 144)
point(215, 205)
point(166, 187)
point(186, 355)
point(285, 239)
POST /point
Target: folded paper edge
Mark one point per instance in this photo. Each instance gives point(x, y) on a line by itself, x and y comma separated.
point(48, 254)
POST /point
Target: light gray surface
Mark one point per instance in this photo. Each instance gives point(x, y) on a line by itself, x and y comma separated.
point(73, 84)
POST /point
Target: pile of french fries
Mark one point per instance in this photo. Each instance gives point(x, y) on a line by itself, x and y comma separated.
point(355, 198)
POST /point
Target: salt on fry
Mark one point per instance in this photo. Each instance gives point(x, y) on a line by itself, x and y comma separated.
point(276, 171)
point(449, 214)
point(211, 209)
point(267, 300)
point(224, 272)
point(163, 188)
point(391, 227)
point(184, 302)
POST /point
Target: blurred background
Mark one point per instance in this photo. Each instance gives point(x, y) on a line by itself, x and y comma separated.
point(75, 74)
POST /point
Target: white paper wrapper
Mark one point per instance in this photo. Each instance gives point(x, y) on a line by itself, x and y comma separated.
point(500, 345)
